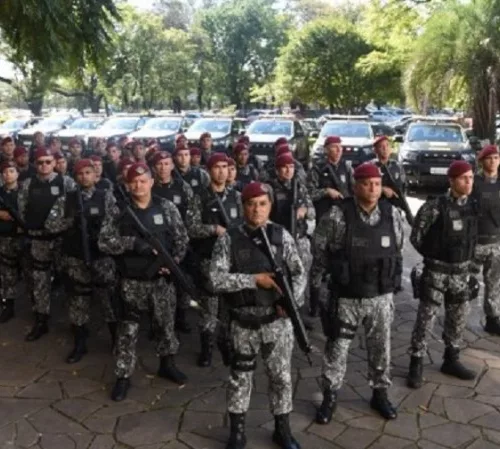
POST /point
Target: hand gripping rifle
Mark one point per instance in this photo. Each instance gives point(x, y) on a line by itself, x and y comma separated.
point(288, 301)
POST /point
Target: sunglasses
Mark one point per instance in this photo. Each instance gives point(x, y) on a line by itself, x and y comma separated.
point(44, 162)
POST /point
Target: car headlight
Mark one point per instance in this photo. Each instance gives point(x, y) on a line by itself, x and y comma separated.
point(469, 157)
point(410, 156)
point(367, 150)
point(167, 139)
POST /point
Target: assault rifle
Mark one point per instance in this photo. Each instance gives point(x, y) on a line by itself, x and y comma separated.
point(401, 200)
point(337, 181)
point(84, 235)
point(12, 212)
point(226, 221)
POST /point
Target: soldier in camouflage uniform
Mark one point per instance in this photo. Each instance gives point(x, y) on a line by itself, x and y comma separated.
point(209, 222)
point(195, 157)
point(445, 234)
point(360, 243)
point(240, 270)
point(42, 211)
point(140, 288)
point(95, 277)
point(196, 177)
point(245, 172)
point(10, 241)
point(101, 183)
point(329, 181)
point(487, 255)
point(25, 169)
point(7, 149)
point(269, 170)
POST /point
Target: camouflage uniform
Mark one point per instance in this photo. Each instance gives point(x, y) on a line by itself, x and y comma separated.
point(246, 175)
point(347, 314)
point(140, 295)
point(269, 172)
point(487, 257)
point(274, 340)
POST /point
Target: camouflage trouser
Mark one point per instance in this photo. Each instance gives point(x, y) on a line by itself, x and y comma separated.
point(304, 248)
point(487, 257)
point(376, 315)
point(158, 296)
point(275, 342)
point(10, 263)
point(210, 304)
point(436, 289)
point(82, 286)
point(44, 258)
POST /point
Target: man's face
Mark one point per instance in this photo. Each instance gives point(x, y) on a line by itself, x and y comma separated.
point(86, 177)
point(100, 147)
point(39, 139)
point(55, 146)
point(231, 173)
point(368, 190)
point(462, 185)
point(383, 150)
point(8, 148)
point(114, 153)
point(490, 163)
point(139, 152)
point(218, 173)
point(141, 186)
point(75, 149)
point(22, 161)
point(125, 170)
point(256, 210)
point(164, 168)
point(182, 142)
point(45, 165)
point(242, 158)
point(61, 165)
point(334, 152)
point(195, 161)
point(98, 168)
point(10, 175)
point(183, 158)
point(286, 172)
point(206, 143)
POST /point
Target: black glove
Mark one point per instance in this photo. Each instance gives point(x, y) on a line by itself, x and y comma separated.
point(142, 247)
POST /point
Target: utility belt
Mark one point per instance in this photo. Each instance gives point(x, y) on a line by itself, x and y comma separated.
point(442, 267)
point(253, 322)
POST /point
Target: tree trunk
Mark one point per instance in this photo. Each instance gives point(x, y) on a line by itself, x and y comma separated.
point(480, 108)
point(35, 105)
point(95, 103)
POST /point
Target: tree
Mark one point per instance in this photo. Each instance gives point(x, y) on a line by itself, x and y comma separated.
point(175, 13)
point(320, 65)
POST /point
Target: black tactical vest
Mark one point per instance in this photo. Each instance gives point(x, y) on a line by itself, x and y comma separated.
point(324, 204)
point(246, 178)
point(8, 228)
point(104, 184)
point(395, 172)
point(135, 266)
point(212, 215)
point(94, 211)
point(248, 258)
point(193, 178)
point(453, 236)
point(487, 195)
point(174, 192)
point(42, 196)
point(281, 211)
point(368, 261)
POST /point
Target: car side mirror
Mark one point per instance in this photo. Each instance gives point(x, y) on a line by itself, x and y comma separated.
point(314, 134)
point(398, 138)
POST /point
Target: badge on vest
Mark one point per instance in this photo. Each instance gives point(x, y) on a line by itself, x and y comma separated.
point(396, 175)
point(233, 212)
point(194, 182)
point(177, 199)
point(458, 225)
point(54, 190)
point(94, 211)
point(343, 178)
point(158, 219)
point(281, 196)
point(385, 242)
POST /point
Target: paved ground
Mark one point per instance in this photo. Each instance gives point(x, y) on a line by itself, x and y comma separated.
point(45, 403)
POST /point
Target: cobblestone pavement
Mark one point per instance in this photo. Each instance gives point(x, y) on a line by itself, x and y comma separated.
point(45, 403)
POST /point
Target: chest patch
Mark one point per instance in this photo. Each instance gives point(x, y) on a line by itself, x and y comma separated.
point(385, 241)
point(94, 211)
point(54, 190)
point(281, 196)
point(233, 212)
point(194, 182)
point(177, 199)
point(343, 178)
point(457, 225)
point(158, 219)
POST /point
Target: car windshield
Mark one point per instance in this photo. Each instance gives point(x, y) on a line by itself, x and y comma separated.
point(274, 127)
point(13, 124)
point(435, 133)
point(211, 126)
point(121, 123)
point(163, 124)
point(359, 130)
point(53, 121)
point(85, 123)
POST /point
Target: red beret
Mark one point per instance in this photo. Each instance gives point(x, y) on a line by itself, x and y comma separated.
point(150, 153)
point(95, 158)
point(20, 151)
point(253, 190)
point(124, 162)
point(367, 170)
point(195, 151)
point(379, 139)
point(488, 150)
point(280, 141)
point(137, 169)
point(58, 156)
point(205, 135)
point(231, 162)
point(81, 164)
point(160, 156)
point(7, 164)
point(179, 137)
point(239, 147)
point(244, 139)
point(282, 149)
point(284, 159)
point(458, 168)
point(331, 140)
point(215, 159)
point(7, 139)
point(180, 148)
point(42, 152)
point(74, 141)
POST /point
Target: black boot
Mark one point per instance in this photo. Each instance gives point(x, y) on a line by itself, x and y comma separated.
point(113, 326)
point(452, 366)
point(80, 348)
point(282, 435)
point(40, 327)
point(237, 437)
point(169, 371)
point(314, 301)
point(205, 358)
point(414, 378)
point(381, 403)
point(327, 407)
point(492, 325)
point(181, 323)
point(7, 311)
point(120, 389)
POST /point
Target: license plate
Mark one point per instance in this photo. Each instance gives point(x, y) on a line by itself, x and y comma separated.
point(439, 170)
point(26, 142)
point(263, 157)
point(64, 147)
